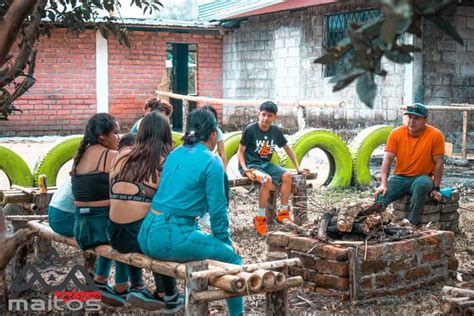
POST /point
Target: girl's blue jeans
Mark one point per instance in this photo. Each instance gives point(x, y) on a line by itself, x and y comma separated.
point(178, 238)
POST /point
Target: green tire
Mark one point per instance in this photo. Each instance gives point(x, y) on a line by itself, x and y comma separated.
point(15, 168)
point(362, 147)
point(334, 147)
point(51, 161)
point(232, 142)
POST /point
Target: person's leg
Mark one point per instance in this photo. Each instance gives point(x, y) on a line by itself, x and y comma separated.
point(419, 189)
point(397, 188)
point(102, 269)
point(281, 180)
point(200, 246)
point(285, 188)
point(226, 186)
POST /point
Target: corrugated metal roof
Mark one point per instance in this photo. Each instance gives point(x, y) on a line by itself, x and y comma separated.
point(170, 23)
point(221, 9)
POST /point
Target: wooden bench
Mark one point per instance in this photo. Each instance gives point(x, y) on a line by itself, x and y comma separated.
point(226, 280)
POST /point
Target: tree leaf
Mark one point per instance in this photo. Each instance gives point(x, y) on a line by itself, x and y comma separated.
point(388, 30)
point(346, 79)
point(367, 89)
point(447, 27)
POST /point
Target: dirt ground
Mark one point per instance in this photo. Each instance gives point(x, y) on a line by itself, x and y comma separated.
point(425, 301)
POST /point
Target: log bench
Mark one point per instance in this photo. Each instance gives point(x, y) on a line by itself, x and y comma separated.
point(226, 280)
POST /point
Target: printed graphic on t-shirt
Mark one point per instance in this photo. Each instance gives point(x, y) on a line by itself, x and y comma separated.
point(264, 147)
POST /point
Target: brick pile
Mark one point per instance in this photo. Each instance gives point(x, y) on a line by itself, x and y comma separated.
point(383, 269)
point(442, 215)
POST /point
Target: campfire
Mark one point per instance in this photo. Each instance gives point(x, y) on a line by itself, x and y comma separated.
point(358, 251)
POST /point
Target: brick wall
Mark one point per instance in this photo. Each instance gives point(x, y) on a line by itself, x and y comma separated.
point(394, 268)
point(64, 96)
point(449, 73)
point(271, 57)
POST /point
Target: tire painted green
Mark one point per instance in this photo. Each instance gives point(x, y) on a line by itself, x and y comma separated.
point(362, 147)
point(177, 138)
point(231, 144)
point(51, 161)
point(334, 147)
point(15, 168)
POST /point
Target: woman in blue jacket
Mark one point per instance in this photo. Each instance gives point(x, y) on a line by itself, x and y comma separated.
point(192, 182)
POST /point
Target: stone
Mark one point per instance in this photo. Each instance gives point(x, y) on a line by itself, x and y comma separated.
point(426, 218)
point(308, 261)
point(431, 209)
point(449, 208)
point(331, 252)
point(433, 255)
point(453, 264)
point(431, 238)
point(417, 273)
point(303, 244)
point(331, 281)
point(366, 282)
point(373, 266)
point(332, 267)
point(279, 239)
point(374, 252)
point(397, 266)
point(383, 280)
point(446, 217)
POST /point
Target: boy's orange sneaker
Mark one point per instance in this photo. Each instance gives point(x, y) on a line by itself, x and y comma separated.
point(260, 223)
point(283, 216)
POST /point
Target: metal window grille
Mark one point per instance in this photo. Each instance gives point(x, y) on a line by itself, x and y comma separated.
point(336, 30)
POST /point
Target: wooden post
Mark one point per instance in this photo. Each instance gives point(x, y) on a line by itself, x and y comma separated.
point(354, 274)
point(89, 262)
point(465, 117)
point(276, 303)
point(271, 207)
point(19, 261)
point(197, 285)
point(185, 113)
point(300, 200)
point(3, 288)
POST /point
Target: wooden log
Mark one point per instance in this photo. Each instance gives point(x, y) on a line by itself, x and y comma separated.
point(268, 278)
point(253, 281)
point(346, 217)
point(246, 268)
point(300, 200)
point(305, 103)
point(465, 120)
point(20, 247)
point(449, 302)
point(214, 295)
point(236, 182)
point(276, 303)
point(455, 291)
point(26, 217)
point(231, 283)
point(196, 285)
point(354, 274)
point(280, 278)
point(270, 211)
point(323, 226)
point(462, 307)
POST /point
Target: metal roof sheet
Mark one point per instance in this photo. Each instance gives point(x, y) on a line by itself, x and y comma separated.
point(221, 9)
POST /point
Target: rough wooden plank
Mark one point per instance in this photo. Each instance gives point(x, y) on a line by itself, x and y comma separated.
point(193, 285)
point(276, 303)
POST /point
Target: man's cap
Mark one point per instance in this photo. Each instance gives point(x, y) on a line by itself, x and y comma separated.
point(418, 109)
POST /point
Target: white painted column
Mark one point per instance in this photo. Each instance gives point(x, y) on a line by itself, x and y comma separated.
point(102, 73)
point(408, 83)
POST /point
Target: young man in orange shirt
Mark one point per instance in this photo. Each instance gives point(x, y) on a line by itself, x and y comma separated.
point(419, 149)
point(255, 152)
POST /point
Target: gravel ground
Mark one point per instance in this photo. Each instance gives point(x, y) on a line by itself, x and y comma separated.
point(425, 301)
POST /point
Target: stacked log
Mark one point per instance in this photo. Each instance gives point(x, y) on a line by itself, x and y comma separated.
point(458, 300)
point(441, 215)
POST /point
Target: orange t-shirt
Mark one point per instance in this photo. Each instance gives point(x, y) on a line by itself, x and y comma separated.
point(415, 154)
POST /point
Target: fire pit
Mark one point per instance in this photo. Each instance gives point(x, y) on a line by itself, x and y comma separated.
point(389, 259)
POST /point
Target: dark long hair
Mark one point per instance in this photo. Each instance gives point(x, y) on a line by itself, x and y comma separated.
point(153, 141)
point(213, 111)
point(159, 105)
point(98, 124)
point(201, 123)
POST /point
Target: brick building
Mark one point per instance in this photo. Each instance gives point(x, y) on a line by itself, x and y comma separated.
point(257, 50)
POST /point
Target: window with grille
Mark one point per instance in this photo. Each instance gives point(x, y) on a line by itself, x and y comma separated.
point(336, 30)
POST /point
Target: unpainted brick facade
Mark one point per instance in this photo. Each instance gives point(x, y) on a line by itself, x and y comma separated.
point(64, 96)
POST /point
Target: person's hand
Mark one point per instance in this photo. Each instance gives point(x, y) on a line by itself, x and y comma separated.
point(380, 190)
point(249, 174)
point(436, 195)
point(302, 170)
point(237, 249)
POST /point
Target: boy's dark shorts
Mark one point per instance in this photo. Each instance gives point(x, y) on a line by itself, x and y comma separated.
point(274, 171)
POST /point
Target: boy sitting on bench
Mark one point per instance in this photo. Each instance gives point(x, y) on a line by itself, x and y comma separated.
point(255, 152)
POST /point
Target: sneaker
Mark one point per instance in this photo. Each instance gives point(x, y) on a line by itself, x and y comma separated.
point(110, 296)
point(144, 299)
point(260, 223)
point(283, 216)
point(174, 304)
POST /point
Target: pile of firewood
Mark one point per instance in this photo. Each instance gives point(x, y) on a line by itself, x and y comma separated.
point(458, 300)
point(356, 222)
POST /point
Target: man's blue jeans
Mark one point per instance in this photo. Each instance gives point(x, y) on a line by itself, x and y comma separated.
point(178, 238)
point(418, 186)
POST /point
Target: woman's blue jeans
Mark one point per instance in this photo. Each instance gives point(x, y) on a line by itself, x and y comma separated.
point(418, 186)
point(176, 238)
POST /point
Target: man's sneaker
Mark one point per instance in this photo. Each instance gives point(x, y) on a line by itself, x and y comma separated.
point(283, 216)
point(174, 304)
point(260, 223)
point(144, 299)
point(110, 296)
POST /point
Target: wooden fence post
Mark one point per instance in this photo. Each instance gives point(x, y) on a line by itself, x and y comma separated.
point(465, 118)
point(300, 200)
point(271, 207)
point(195, 308)
point(276, 303)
